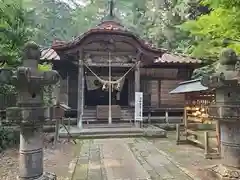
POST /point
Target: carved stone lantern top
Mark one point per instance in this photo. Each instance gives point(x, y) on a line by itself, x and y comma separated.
point(227, 71)
point(228, 57)
point(29, 82)
point(31, 51)
point(28, 73)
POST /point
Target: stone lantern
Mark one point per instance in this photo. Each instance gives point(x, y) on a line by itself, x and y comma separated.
point(226, 110)
point(29, 113)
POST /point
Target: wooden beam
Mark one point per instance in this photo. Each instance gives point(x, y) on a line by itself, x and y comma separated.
point(112, 64)
point(90, 64)
point(116, 53)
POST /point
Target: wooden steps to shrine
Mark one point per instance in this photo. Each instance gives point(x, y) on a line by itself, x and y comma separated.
point(90, 116)
point(127, 116)
point(114, 125)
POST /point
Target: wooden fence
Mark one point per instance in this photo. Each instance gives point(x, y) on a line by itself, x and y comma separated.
point(7, 101)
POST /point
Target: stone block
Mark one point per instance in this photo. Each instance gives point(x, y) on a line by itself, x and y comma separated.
point(156, 132)
point(225, 173)
point(29, 115)
point(48, 176)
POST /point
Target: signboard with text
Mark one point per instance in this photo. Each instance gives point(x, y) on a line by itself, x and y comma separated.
point(138, 106)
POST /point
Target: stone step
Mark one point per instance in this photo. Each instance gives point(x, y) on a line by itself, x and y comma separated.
point(103, 136)
point(112, 132)
point(121, 125)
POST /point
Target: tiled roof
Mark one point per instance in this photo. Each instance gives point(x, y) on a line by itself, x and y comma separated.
point(109, 27)
point(172, 58)
point(49, 54)
point(189, 86)
point(114, 27)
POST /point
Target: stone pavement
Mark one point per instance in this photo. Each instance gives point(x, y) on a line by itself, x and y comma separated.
point(187, 156)
point(125, 159)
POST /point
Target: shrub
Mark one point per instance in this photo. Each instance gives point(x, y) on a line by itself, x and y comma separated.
point(8, 137)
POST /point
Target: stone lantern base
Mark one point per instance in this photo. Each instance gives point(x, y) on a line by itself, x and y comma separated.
point(45, 176)
point(48, 176)
point(225, 173)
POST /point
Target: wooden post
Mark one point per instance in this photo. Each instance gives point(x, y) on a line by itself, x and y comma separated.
point(137, 78)
point(206, 143)
point(55, 112)
point(177, 133)
point(109, 90)
point(185, 121)
point(218, 136)
point(0, 121)
point(56, 137)
point(67, 88)
point(69, 120)
point(80, 90)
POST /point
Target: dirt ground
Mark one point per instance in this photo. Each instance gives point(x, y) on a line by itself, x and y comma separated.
point(56, 160)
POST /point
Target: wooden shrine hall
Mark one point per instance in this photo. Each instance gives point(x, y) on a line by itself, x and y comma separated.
point(110, 52)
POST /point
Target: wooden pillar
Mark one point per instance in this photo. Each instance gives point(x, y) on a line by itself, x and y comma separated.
point(137, 77)
point(206, 143)
point(137, 84)
point(80, 90)
point(177, 133)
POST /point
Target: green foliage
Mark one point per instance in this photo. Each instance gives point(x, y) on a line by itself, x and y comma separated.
point(7, 89)
point(45, 67)
point(155, 20)
point(152, 20)
point(14, 30)
point(8, 138)
point(210, 30)
point(48, 90)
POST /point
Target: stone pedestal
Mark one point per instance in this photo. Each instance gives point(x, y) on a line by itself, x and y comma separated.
point(31, 153)
point(226, 110)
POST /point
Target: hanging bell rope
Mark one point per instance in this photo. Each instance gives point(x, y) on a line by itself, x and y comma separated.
point(116, 83)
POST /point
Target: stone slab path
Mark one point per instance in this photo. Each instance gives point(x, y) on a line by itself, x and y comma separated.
point(124, 159)
point(188, 156)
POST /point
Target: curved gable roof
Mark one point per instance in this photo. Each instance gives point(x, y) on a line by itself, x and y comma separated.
point(107, 27)
point(114, 27)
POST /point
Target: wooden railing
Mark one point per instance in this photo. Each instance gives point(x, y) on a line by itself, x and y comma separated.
point(7, 101)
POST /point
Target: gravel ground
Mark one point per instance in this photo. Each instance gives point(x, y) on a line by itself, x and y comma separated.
point(56, 160)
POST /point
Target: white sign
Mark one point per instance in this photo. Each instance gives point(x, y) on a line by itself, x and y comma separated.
point(138, 106)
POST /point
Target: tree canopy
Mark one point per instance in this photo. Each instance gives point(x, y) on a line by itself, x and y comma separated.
point(14, 30)
point(193, 27)
point(212, 29)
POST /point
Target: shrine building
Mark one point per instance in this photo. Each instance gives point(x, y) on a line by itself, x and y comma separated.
point(110, 51)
